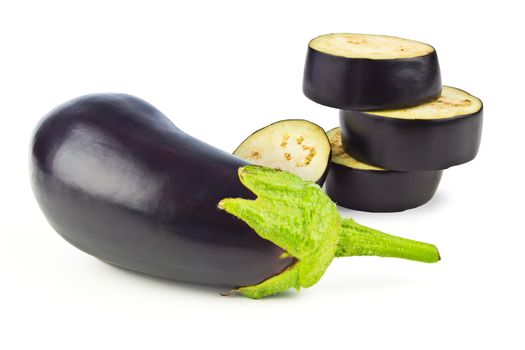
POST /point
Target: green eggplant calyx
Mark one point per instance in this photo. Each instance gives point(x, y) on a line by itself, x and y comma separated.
point(295, 215)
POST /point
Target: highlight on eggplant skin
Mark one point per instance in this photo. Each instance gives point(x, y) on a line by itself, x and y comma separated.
point(359, 186)
point(295, 145)
point(118, 180)
point(370, 72)
point(431, 136)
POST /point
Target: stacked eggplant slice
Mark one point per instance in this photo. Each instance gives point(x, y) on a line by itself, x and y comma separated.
point(367, 72)
point(360, 186)
point(432, 136)
point(399, 127)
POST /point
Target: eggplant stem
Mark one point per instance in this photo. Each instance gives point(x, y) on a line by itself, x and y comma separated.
point(359, 240)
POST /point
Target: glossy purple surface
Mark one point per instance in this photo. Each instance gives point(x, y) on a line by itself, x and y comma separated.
point(380, 191)
point(119, 181)
point(368, 84)
point(411, 144)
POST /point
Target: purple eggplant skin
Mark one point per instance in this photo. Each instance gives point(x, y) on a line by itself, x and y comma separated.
point(371, 84)
point(382, 191)
point(118, 180)
point(411, 145)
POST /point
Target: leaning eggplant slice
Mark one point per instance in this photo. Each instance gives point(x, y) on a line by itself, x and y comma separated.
point(369, 72)
point(356, 185)
point(295, 145)
point(431, 136)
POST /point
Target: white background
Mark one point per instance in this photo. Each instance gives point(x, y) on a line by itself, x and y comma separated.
point(220, 70)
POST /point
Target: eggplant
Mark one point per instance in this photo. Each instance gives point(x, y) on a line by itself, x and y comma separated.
point(369, 72)
point(118, 180)
point(432, 136)
point(359, 186)
point(295, 145)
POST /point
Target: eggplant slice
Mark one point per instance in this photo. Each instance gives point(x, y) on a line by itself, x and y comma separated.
point(356, 185)
point(431, 136)
point(295, 145)
point(370, 72)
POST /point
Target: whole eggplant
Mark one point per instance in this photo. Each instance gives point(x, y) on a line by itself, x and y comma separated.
point(118, 180)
